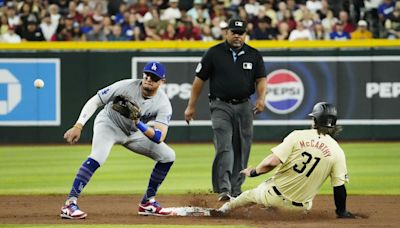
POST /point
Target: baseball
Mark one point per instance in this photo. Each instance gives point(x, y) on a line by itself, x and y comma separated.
point(38, 83)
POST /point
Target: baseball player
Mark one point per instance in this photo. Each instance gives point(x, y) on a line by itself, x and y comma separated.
point(306, 159)
point(128, 105)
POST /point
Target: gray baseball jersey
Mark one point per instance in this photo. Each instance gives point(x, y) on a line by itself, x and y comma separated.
point(111, 127)
point(157, 108)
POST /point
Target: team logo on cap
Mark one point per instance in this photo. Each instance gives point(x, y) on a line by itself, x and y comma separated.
point(285, 91)
point(154, 67)
point(238, 23)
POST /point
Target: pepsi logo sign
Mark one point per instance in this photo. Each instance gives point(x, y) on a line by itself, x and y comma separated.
point(285, 91)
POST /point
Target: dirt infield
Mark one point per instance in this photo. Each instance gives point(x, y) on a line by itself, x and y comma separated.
point(382, 211)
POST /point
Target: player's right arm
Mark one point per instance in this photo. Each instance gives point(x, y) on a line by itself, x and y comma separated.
point(194, 95)
point(73, 134)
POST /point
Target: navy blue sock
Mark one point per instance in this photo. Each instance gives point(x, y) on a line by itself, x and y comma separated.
point(158, 175)
point(83, 176)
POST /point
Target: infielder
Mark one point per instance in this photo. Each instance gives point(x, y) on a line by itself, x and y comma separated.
point(306, 159)
point(128, 105)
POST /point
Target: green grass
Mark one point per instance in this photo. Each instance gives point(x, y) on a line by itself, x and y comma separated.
point(374, 168)
point(118, 226)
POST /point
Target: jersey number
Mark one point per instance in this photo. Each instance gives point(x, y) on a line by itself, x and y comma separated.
point(309, 158)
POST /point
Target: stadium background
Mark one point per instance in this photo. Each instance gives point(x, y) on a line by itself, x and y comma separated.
point(83, 68)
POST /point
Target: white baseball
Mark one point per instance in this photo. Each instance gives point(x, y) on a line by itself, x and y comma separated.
point(38, 83)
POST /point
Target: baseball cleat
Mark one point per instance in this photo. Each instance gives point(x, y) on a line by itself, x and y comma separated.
point(153, 208)
point(224, 196)
point(216, 213)
point(72, 211)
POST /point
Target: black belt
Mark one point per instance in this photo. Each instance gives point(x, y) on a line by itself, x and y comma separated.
point(279, 194)
point(228, 100)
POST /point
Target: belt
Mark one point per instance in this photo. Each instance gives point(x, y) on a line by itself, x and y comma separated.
point(280, 194)
point(228, 100)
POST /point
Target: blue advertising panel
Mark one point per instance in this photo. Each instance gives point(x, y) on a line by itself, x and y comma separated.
point(21, 103)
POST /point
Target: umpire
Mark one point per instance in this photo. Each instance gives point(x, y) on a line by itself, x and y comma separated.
point(235, 71)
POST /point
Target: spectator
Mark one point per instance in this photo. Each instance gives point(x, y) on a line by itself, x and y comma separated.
point(119, 16)
point(48, 29)
point(62, 33)
point(339, 34)
point(98, 13)
point(347, 25)
point(270, 12)
point(300, 33)
point(150, 29)
point(186, 31)
point(27, 14)
point(10, 36)
point(54, 14)
point(3, 24)
point(32, 32)
point(172, 13)
point(133, 29)
point(107, 25)
point(152, 14)
point(392, 24)
point(76, 34)
point(385, 9)
point(116, 34)
point(87, 25)
point(264, 31)
point(13, 19)
point(96, 34)
point(169, 33)
point(251, 8)
point(314, 5)
point(319, 32)
point(361, 32)
point(329, 22)
point(283, 31)
point(73, 12)
point(206, 33)
point(280, 13)
point(141, 7)
point(198, 11)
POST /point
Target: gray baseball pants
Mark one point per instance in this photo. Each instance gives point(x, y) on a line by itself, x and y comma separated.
point(233, 132)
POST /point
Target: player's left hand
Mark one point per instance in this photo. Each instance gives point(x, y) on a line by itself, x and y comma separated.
point(247, 171)
point(259, 106)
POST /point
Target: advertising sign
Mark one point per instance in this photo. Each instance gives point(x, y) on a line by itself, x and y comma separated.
point(365, 90)
point(21, 103)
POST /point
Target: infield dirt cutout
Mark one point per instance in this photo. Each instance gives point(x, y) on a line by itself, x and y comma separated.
point(382, 211)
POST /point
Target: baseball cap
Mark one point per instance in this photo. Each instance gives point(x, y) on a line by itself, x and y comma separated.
point(155, 68)
point(237, 25)
point(362, 23)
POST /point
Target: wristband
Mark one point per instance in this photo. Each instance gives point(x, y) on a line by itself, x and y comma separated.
point(253, 173)
point(157, 136)
point(142, 126)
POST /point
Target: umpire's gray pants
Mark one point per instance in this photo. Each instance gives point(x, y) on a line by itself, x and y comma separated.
point(233, 133)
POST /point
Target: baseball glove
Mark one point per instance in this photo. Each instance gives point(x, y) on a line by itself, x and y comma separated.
point(127, 108)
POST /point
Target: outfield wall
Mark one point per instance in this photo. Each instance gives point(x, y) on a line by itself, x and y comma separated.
point(361, 78)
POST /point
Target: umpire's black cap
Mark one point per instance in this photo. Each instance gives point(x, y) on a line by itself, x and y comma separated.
point(237, 25)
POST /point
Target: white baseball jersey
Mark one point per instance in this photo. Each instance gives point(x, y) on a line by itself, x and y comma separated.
point(307, 160)
point(157, 108)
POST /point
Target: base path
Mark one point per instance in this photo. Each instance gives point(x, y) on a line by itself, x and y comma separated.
point(382, 211)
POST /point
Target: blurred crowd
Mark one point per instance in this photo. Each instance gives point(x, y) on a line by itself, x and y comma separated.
point(125, 20)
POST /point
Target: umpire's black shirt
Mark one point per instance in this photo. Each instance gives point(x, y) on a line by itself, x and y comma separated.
point(230, 79)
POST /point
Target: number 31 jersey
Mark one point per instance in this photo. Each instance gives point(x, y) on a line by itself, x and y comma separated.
point(307, 161)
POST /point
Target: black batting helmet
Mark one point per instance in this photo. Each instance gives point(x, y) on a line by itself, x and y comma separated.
point(325, 114)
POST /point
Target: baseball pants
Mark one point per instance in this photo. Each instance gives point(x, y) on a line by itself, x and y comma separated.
point(265, 194)
point(233, 132)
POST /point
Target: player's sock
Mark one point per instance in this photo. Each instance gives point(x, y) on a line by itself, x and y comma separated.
point(158, 175)
point(83, 176)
